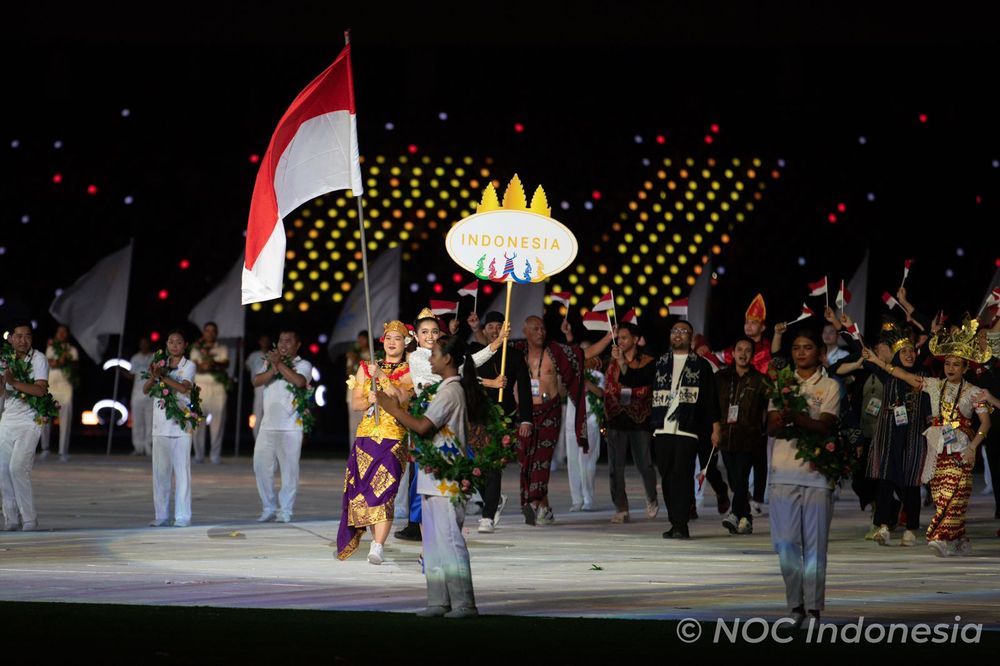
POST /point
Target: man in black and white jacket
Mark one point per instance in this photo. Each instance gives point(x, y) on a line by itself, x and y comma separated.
point(685, 405)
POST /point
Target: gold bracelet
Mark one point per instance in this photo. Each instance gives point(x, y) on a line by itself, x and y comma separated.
point(981, 434)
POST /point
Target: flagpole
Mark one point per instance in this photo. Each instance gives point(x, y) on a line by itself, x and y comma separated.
point(506, 322)
point(475, 299)
point(613, 342)
point(239, 393)
point(613, 313)
point(121, 340)
point(364, 268)
point(826, 281)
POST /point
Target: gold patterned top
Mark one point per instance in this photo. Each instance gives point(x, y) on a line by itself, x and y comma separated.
point(387, 428)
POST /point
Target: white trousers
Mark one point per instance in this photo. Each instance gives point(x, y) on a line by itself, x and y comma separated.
point(258, 409)
point(172, 459)
point(581, 467)
point(446, 557)
point(142, 424)
point(64, 396)
point(800, 531)
point(17, 456)
point(213, 402)
point(281, 448)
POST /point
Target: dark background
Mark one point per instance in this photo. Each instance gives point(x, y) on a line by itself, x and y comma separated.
point(205, 88)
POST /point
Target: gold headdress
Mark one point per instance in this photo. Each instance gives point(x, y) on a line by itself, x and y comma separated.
point(961, 342)
point(894, 336)
point(757, 310)
point(395, 326)
point(426, 313)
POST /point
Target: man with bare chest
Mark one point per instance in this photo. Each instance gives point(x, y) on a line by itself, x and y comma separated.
point(548, 364)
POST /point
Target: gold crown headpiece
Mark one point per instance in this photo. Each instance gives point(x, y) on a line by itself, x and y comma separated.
point(961, 342)
point(426, 313)
point(514, 199)
point(895, 336)
point(394, 326)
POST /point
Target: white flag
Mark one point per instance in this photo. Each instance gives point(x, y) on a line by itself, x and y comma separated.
point(383, 276)
point(94, 307)
point(697, 312)
point(223, 305)
point(858, 286)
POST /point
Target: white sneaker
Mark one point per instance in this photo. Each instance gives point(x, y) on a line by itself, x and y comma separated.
point(266, 517)
point(485, 526)
point(159, 523)
point(29, 526)
point(474, 508)
point(575, 508)
point(433, 611)
point(731, 523)
point(653, 509)
point(939, 548)
point(882, 536)
point(745, 527)
point(375, 554)
point(283, 517)
point(12, 527)
point(620, 517)
point(545, 516)
point(461, 613)
point(872, 531)
point(756, 508)
point(500, 506)
point(182, 523)
point(909, 539)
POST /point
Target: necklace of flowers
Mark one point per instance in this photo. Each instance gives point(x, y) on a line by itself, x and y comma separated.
point(302, 397)
point(186, 413)
point(466, 474)
point(219, 375)
point(45, 407)
point(69, 365)
point(594, 401)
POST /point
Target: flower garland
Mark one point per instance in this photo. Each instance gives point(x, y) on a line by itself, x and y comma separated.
point(188, 414)
point(594, 401)
point(492, 454)
point(45, 407)
point(70, 367)
point(302, 398)
point(830, 455)
point(217, 373)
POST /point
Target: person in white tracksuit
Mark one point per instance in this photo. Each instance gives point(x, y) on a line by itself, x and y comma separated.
point(212, 360)
point(62, 365)
point(171, 439)
point(279, 442)
point(254, 366)
point(141, 405)
point(20, 432)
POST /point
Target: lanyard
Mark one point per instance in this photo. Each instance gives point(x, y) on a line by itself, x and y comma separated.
point(954, 405)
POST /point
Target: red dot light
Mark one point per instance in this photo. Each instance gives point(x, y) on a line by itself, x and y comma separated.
point(709, 138)
point(164, 294)
point(412, 148)
point(923, 117)
point(254, 158)
point(997, 262)
point(185, 264)
point(488, 288)
point(714, 128)
point(438, 288)
point(154, 336)
point(457, 277)
point(979, 199)
point(660, 139)
point(57, 178)
point(91, 189)
point(518, 127)
point(314, 348)
point(596, 194)
point(841, 208)
point(831, 218)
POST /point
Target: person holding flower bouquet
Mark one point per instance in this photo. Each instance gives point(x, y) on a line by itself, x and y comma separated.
point(64, 377)
point(804, 405)
point(27, 406)
point(280, 439)
point(446, 556)
point(177, 412)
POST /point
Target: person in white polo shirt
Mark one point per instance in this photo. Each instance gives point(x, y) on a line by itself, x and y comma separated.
point(279, 442)
point(64, 377)
point(212, 378)
point(170, 383)
point(140, 403)
point(801, 505)
point(21, 428)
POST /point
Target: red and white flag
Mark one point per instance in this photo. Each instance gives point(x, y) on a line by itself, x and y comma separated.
point(805, 314)
point(471, 289)
point(713, 361)
point(993, 298)
point(854, 331)
point(631, 318)
point(907, 265)
point(606, 303)
point(678, 307)
point(314, 150)
point(843, 296)
point(890, 301)
point(596, 321)
point(818, 288)
point(561, 297)
point(444, 307)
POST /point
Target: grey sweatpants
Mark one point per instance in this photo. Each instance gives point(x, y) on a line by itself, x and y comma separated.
point(800, 529)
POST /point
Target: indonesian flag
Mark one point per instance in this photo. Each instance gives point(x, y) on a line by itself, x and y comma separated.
point(890, 301)
point(595, 321)
point(444, 307)
point(713, 361)
point(606, 303)
point(854, 331)
point(843, 296)
point(561, 297)
point(678, 307)
point(806, 313)
point(907, 265)
point(817, 288)
point(470, 289)
point(314, 150)
point(631, 318)
point(993, 298)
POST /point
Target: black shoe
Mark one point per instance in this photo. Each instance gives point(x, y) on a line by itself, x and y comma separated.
point(410, 533)
point(693, 513)
point(677, 533)
point(724, 504)
point(529, 514)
